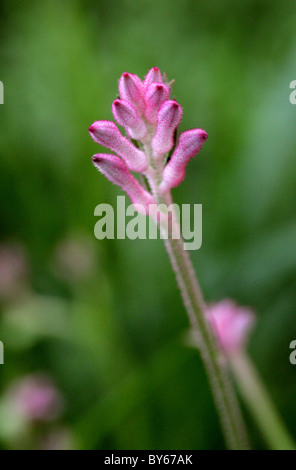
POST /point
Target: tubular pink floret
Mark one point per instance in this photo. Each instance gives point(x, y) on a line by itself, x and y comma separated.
point(107, 134)
point(168, 118)
point(127, 116)
point(190, 143)
point(116, 171)
point(131, 90)
point(231, 324)
point(155, 95)
point(154, 75)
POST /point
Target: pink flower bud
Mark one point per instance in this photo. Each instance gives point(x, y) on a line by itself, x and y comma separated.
point(152, 76)
point(127, 116)
point(116, 171)
point(231, 324)
point(168, 118)
point(155, 95)
point(131, 90)
point(189, 145)
point(107, 134)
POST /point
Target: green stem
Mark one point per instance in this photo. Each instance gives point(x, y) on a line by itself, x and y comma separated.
point(224, 396)
point(228, 408)
point(260, 403)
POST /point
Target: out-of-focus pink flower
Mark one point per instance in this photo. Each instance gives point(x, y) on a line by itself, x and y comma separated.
point(14, 270)
point(231, 324)
point(151, 119)
point(35, 398)
point(74, 257)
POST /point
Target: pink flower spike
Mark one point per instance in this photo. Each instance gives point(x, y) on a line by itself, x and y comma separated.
point(155, 95)
point(131, 90)
point(190, 143)
point(231, 324)
point(152, 76)
point(168, 119)
point(116, 171)
point(127, 116)
point(107, 134)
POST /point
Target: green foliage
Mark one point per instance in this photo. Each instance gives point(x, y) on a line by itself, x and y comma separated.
point(111, 331)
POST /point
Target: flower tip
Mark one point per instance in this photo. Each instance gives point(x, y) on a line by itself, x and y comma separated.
point(96, 159)
point(91, 128)
point(203, 135)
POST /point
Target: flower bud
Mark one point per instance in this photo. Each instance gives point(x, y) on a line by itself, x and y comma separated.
point(189, 145)
point(116, 171)
point(168, 118)
point(127, 116)
point(155, 95)
point(131, 90)
point(231, 324)
point(107, 134)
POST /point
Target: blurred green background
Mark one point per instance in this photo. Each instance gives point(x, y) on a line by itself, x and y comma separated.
point(104, 319)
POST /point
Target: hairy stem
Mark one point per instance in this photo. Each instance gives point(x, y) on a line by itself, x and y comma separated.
point(224, 396)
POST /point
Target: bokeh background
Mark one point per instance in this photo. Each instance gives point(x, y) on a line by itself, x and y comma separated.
point(101, 323)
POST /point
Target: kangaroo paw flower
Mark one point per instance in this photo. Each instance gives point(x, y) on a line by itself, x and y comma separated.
point(116, 171)
point(145, 106)
point(150, 118)
point(107, 134)
point(190, 143)
point(168, 119)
